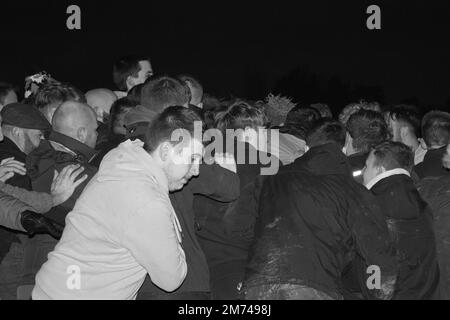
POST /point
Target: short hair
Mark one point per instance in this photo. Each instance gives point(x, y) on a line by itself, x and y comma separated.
point(436, 128)
point(300, 120)
point(324, 110)
point(354, 107)
point(56, 93)
point(407, 115)
point(6, 88)
point(393, 155)
point(120, 106)
point(195, 84)
point(326, 131)
point(135, 94)
point(241, 115)
point(367, 128)
point(161, 92)
point(125, 67)
point(162, 127)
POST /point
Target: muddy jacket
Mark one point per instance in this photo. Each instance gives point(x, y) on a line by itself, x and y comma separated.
point(310, 220)
point(436, 191)
point(55, 154)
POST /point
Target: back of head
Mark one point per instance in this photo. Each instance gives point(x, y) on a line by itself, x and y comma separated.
point(300, 120)
point(367, 128)
point(76, 120)
point(135, 94)
point(241, 115)
point(324, 110)
point(436, 129)
point(326, 131)
point(8, 94)
point(161, 92)
point(354, 107)
point(393, 155)
point(163, 127)
point(195, 88)
point(50, 96)
point(405, 115)
point(118, 110)
point(125, 67)
point(101, 101)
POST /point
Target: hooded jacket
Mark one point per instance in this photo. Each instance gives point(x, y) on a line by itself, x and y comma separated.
point(122, 227)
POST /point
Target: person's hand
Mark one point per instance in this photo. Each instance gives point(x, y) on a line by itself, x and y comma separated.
point(446, 158)
point(9, 167)
point(226, 161)
point(35, 223)
point(64, 183)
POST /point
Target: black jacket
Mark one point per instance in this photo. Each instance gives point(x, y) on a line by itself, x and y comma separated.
point(410, 221)
point(9, 149)
point(215, 183)
point(436, 192)
point(432, 164)
point(310, 221)
point(43, 161)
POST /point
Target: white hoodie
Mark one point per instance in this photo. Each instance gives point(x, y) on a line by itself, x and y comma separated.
point(122, 226)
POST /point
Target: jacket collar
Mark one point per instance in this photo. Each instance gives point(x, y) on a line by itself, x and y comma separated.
point(324, 160)
point(386, 175)
point(71, 145)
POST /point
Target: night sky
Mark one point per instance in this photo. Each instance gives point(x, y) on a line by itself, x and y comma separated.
point(242, 48)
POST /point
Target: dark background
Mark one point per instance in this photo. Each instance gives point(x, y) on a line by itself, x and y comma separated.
point(313, 51)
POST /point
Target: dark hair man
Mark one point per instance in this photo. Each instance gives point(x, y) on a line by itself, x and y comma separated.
point(7, 94)
point(50, 96)
point(404, 125)
point(129, 71)
point(227, 255)
point(195, 88)
point(436, 135)
point(303, 241)
point(365, 129)
point(387, 176)
point(139, 232)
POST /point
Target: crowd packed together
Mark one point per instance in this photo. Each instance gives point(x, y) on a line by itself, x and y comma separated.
point(160, 191)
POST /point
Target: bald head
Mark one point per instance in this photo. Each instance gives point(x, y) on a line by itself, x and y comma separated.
point(76, 120)
point(101, 101)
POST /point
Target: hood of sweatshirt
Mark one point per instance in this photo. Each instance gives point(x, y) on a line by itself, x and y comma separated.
point(130, 162)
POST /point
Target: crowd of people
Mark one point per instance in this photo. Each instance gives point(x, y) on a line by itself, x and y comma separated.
point(161, 191)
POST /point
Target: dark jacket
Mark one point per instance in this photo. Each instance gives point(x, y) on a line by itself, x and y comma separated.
point(410, 221)
point(311, 219)
point(357, 163)
point(436, 192)
point(432, 164)
point(43, 161)
point(215, 183)
point(9, 149)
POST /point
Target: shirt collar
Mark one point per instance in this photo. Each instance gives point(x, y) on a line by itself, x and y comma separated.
point(75, 146)
point(385, 175)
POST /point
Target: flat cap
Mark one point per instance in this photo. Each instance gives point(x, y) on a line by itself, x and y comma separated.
point(24, 116)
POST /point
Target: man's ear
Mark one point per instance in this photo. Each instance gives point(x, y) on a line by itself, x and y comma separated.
point(16, 131)
point(200, 105)
point(130, 82)
point(404, 132)
point(82, 134)
point(164, 151)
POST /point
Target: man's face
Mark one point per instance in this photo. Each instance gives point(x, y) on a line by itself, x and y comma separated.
point(143, 74)
point(370, 171)
point(394, 129)
point(31, 138)
point(11, 97)
point(183, 163)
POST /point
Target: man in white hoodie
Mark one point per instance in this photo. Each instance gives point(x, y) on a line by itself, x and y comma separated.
point(123, 226)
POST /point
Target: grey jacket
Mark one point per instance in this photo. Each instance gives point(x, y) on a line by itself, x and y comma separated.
point(14, 201)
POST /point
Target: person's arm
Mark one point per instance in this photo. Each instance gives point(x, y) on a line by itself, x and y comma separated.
point(10, 212)
point(240, 218)
point(374, 243)
point(216, 183)
point(153, 239)
point(40, 202)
